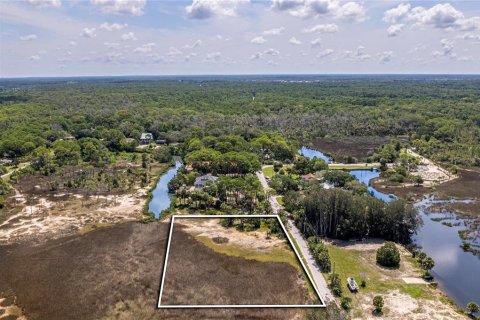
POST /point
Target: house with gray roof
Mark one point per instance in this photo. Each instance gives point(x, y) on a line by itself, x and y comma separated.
point(201, 182)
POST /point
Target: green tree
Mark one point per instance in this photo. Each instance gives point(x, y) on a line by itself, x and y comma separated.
point(66, 152)
point(388, 255)
point(472, 308)
point(427, 264)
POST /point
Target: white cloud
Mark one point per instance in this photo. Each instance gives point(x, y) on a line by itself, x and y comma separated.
point(45, 3)
point(268, 52)
point(358, 54)
point(197, 43)
point(441, 16)
point(213, 57)
point(322, 28)
point(205, 9)
point(395, 29)
point(286, 4)
point(128, 36)
point(256, 56)
point(28, 37)
point(129, 7)
point(258, 40)
point(438, 16)
point(470, 36)
point(316, 43)
point(111, 45)
point(172, 51)
point(189, 56)
point(274, 31)
point(271, 52)
point(397, 14)
point(145, 48)
point(352, 11)
point(294, 41)
point(89, 32)
point(34, 57)
point(325, 53)
point(112, 26)
point(386, 56)
point(470, 24)
point(72, 43)
point(447, 49)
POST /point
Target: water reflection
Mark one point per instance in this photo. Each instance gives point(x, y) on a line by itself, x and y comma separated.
point(161, 199)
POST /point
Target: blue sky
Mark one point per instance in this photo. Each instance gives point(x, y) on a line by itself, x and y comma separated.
point(142, 37)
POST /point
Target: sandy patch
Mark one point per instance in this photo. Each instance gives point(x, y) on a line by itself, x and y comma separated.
point(51, 219)
point(8, 308)
point(412, 280)
point(211, 228)
point(430, 172)
point(399, 306)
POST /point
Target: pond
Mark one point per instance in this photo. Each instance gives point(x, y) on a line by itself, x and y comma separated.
point(312, 153)
point(457, 272)
point(161, 198)
point(365, 176)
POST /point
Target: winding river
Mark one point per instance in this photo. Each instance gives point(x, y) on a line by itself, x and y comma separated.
point(457, 272)
point(161, 198)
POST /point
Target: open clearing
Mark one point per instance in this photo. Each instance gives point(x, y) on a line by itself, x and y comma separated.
point(109, 273)
point(358, 147)
point(405, 294)
point(34, 212)
point(212, 265)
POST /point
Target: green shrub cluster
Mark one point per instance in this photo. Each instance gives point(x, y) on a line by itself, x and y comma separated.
point(388, 255)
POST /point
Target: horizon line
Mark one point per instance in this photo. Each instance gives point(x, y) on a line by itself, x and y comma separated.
point(237, 75)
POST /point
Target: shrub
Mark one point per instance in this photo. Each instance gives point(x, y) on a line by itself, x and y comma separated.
point(388, 255)
point(336, 284)
point(378, 303)
point(346, 303)
point(320, 252)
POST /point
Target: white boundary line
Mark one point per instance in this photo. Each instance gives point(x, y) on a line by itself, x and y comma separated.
point(160, 306)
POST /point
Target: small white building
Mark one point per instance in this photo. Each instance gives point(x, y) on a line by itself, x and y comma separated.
point(146, 138)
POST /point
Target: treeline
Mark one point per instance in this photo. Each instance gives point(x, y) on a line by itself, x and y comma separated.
point(340, 214)
point(439, 117)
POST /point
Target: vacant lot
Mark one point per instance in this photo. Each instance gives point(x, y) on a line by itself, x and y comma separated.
point(197, 274)
point(358, 147)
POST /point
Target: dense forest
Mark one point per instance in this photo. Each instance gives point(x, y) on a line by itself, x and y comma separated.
point(440, 117)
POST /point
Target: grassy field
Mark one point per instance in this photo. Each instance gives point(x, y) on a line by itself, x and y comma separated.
point(280, 200)
point(268, 172)
point(274, 255)
point(353, 263)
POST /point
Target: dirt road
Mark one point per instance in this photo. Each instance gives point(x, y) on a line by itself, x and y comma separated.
point(302, 244)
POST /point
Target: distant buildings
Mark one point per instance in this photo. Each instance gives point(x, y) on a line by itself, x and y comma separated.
point(146, 138)
point(201, 182)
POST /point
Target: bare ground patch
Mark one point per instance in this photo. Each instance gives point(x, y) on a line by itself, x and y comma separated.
point(358, 147)
point(198, 275)
point(467, 186)
point(36, 212)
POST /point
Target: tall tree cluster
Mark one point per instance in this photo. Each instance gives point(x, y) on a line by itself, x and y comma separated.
point(339, 214)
